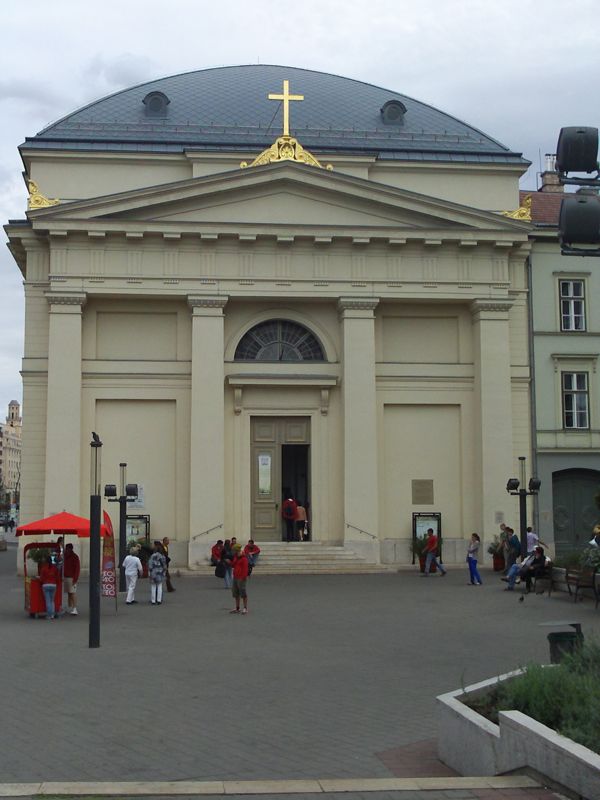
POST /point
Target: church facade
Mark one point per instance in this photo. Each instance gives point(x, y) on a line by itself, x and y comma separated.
point(312, 293)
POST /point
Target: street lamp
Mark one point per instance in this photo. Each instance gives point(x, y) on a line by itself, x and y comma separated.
point(516, 486)
point(95, 509)
point(129, 492)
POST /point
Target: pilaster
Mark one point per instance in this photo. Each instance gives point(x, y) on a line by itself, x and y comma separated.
point(207, 428)
point(360, 420)
point(493, 405)
point(63, 410)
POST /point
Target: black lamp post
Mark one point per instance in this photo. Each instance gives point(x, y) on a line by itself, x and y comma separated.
point(95, 510)
point(516, 486)
point(128, 492)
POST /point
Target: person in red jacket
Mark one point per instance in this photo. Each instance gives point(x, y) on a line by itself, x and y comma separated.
point(240, 577)
point(71, 569)
point(289, 509)
point(252, 551)
point(216, 552)
point(49, 578)
point(431, 553)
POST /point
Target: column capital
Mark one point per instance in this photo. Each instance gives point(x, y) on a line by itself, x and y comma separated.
point(347, 305)
point(214, 302)
point(489, 308)
point(66, 298)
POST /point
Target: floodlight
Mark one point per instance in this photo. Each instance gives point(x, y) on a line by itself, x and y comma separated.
point(512, 485)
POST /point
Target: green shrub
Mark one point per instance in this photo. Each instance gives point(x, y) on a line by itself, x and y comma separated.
point(565, 697)
point(570, 560)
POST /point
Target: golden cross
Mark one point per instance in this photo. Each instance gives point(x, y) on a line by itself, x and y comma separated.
point(286, 97)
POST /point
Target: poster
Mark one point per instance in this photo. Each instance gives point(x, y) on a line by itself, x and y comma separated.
point(264, 474)
point(108, 571)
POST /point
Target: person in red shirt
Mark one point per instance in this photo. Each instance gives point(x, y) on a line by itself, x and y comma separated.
point(431, 551)
point(240, 577)
point(49, 578)
point(252, 552)
point(289, 509)
point(216, 552)
point(71, 569)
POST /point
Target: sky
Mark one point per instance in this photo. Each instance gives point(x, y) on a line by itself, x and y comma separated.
point(518, 69)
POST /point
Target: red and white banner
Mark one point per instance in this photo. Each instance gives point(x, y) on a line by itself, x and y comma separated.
point(109, 572)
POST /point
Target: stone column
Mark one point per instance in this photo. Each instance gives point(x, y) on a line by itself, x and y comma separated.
point(207, 428)
point(361, 502)
point(63, 410)
point(493, 410)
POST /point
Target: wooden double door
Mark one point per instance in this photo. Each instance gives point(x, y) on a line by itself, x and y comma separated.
point(280, 452)
point(575, 510)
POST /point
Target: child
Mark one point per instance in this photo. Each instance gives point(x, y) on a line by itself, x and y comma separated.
point(472, 555)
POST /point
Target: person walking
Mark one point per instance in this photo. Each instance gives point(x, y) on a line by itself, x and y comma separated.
point(133, 569)
point(71, 570)
point(165, 546)
point(289, 509)
point(240, 578)
point(157, 572)
point(49, 578)
point(472, 557)
point(431, 552)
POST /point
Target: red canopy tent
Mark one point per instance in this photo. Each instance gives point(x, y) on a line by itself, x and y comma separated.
point(63, 524)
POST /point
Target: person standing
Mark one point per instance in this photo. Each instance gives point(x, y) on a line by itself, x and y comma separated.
point(133, 569)
point(157, 571)
point(289, 509)
point(533, 540)
point(472, 557)
point(431, 552)
point(301, 524)
point(227, 561)
point(513, 549)
point(71, 570)
point(165, 546)
point(240, 578)
point(49, 578)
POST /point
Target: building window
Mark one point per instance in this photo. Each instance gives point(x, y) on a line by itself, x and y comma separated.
point(575, 400)
point(279, 340)
point(572, 306)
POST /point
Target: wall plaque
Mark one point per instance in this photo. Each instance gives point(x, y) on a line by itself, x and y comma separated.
point(422, 492)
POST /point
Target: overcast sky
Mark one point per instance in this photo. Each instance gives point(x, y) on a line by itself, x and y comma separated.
point(516, 69)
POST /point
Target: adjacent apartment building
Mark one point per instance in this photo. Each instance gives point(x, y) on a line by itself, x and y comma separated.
point(10, 455)
point(565, 328)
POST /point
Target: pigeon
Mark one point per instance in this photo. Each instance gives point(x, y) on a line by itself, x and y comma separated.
point(521, 598)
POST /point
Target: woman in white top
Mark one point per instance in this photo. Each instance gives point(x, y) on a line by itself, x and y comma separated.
point(133, 568)
point(472, 556)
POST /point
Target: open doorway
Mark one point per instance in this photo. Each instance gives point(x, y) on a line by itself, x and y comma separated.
point(295, 481)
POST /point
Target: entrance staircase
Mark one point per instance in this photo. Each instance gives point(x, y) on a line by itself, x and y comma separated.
point(303, 558)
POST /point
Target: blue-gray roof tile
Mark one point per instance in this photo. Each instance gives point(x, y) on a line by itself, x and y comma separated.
point(227, 109)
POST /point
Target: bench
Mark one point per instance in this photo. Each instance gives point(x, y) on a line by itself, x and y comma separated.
point(583, 578)
point(543, 575)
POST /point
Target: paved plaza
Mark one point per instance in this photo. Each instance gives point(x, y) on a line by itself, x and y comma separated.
point(327, 677)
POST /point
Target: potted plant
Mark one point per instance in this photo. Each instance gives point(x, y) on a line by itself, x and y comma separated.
point(496, 550)
point(417, 548)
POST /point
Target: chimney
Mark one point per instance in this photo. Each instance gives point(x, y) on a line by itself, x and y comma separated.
point(550, 182)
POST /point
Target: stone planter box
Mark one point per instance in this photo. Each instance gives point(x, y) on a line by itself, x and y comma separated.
point(472, 745)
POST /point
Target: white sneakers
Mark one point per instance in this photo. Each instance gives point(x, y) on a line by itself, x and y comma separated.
point(74, 611)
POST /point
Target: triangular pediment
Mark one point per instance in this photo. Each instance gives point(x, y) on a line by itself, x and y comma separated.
point(280, 195)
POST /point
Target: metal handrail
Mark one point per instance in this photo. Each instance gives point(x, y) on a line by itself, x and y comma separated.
point(360, 530)
point(210, 530)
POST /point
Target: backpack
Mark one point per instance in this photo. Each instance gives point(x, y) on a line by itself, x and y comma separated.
point(220, 570)
point(288, 510)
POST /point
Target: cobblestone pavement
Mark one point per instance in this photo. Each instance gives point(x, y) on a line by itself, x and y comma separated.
point(326, 677)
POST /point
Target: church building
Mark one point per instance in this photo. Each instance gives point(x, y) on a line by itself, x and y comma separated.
point(259, 280)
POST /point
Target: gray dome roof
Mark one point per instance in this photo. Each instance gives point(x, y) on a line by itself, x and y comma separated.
point(227, 109)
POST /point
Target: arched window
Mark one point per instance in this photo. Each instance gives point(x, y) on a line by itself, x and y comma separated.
point(279, 340)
